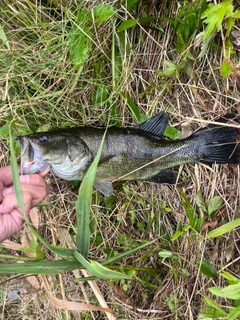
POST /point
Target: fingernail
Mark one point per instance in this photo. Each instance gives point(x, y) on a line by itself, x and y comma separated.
point(24, 178)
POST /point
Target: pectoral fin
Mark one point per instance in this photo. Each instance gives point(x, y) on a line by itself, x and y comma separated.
point(105, 159)
point(104, 186)
point(164, 176)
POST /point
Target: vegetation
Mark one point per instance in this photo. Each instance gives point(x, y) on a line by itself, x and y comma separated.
point(148, 251)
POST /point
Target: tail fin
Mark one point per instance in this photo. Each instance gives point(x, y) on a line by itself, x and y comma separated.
point(219, 144)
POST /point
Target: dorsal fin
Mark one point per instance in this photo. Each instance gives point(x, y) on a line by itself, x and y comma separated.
point(155, 126)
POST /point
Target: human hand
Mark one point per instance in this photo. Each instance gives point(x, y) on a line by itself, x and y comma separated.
point(34, 190)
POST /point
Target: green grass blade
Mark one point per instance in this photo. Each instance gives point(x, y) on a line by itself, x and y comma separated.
point(84, 204)
point(139, 116)
point(39, 267)
point(15, 175)
point(99, 271)
point(123, 255)
point(4, 38)
point(223, 229)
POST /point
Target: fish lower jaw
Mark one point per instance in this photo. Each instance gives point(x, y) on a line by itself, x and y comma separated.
point(31, 167)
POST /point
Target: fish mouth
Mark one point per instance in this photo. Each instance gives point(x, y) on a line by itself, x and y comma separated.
point(31, 157)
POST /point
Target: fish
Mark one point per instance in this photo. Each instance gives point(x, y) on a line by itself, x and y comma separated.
point(131, 153)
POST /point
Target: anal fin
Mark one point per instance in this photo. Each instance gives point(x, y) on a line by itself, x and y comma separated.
point(164, 176)
point(104, 186)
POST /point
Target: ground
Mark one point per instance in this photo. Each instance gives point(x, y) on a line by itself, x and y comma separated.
point(61, 68)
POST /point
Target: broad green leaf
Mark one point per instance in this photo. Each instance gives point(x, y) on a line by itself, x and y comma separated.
point(165, 254)
point(236, 14)
point(172, 133)
point(211, 314)
point(223, 229)
point(234, 313)
point(4, 130)
point(214, 204)
point(139, 116)
point(169, 70)
point(229, 277)
point(199, 201)
point(225, 69)
point(230, 292)
point(172, 301)
point(176, 235)
point(164, 206)
point(98, 270)
point(207, 269)
point(230, 24)
point(130, 4)
point(4, 38)
point(103, 12)
point(189, 210)
point(83, 205)
point(127, 24)
point(215, 306)
point(214, 16)
point(79, 41)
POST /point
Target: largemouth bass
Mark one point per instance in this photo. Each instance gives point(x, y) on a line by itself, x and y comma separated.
point(134, 153)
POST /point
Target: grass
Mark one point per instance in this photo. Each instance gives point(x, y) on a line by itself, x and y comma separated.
point(61, 67)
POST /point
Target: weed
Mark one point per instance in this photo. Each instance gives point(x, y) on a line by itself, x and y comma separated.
point(230, 292)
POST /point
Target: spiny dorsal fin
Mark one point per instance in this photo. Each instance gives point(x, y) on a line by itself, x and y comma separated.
point(155, 126)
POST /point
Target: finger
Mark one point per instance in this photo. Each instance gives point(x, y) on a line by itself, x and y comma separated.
point(34, 179)
point(32, 183)
point(7, 180)
point(11, 217)
point(44, 173)
point(6, 176)
point(38, 193)
point(10, 224)
point(10, 202)
point(36, 185)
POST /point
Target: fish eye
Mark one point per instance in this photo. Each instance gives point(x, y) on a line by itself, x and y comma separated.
point(43, 139)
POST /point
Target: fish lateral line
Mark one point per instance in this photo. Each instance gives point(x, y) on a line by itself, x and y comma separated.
point(149, 163)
